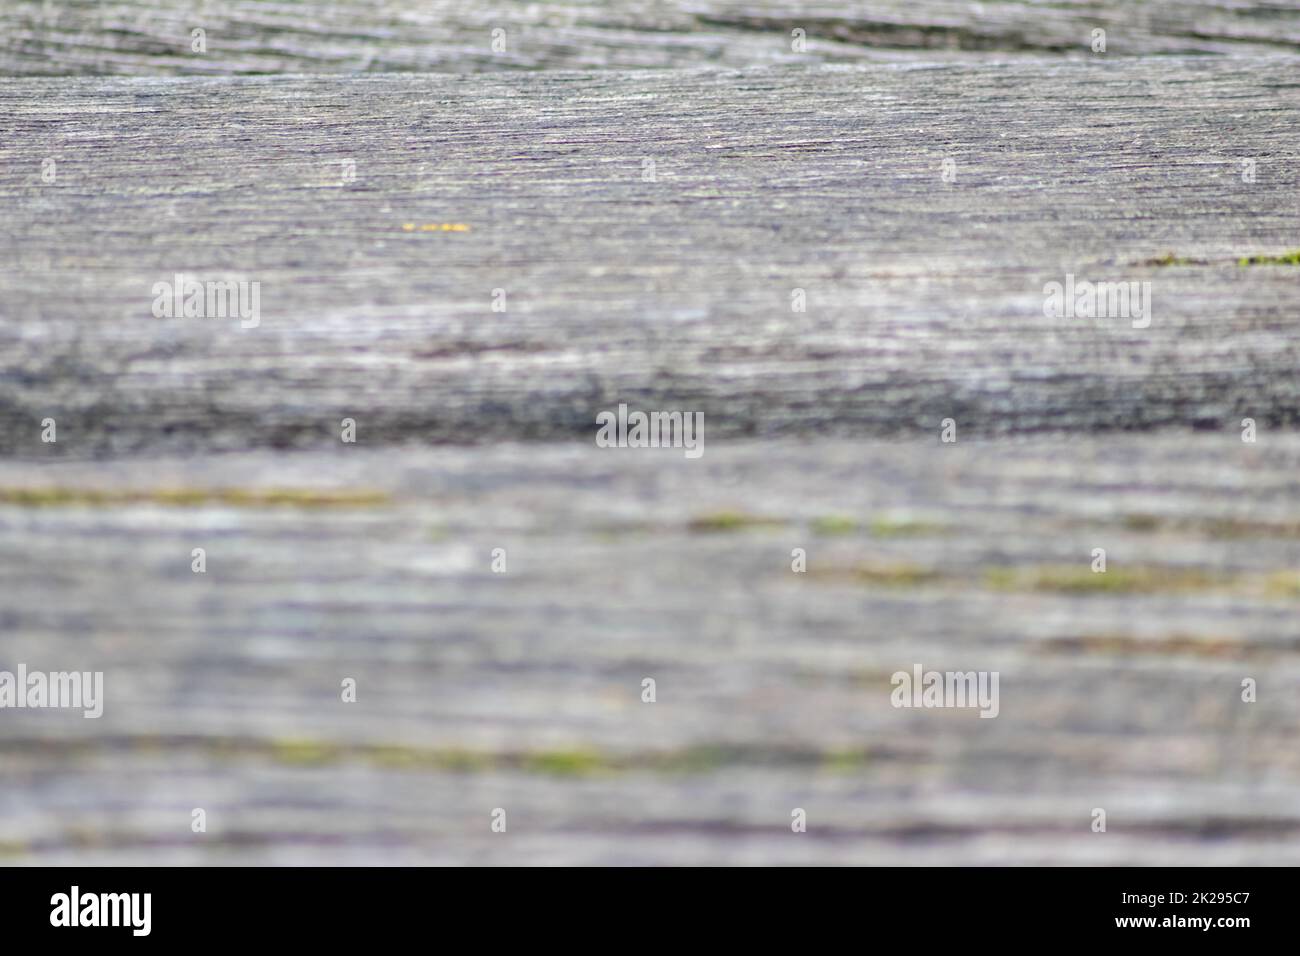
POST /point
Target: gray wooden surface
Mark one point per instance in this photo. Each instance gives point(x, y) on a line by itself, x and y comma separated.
point(521, 690)
point(475, 431)
point(925, 298)
point(58, 37)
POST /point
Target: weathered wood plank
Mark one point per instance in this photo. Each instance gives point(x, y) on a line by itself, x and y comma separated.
point(274, 36)
point(924, 298)
point(522, 690)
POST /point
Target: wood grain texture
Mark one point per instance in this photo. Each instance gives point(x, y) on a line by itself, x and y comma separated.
point(140, 37)
point(925, 297)
point(522, 690)
point(475, 431)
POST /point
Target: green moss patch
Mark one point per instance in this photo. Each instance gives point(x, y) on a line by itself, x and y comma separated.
point(1069, 579)
point(1291, 258)
point(56, 497)
point(722, 521)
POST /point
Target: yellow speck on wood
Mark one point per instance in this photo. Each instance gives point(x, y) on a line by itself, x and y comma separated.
point(436, 227)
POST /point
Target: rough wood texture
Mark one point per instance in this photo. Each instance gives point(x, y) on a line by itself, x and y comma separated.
point(261, 36)
point(925, 298)
point(480, 690)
